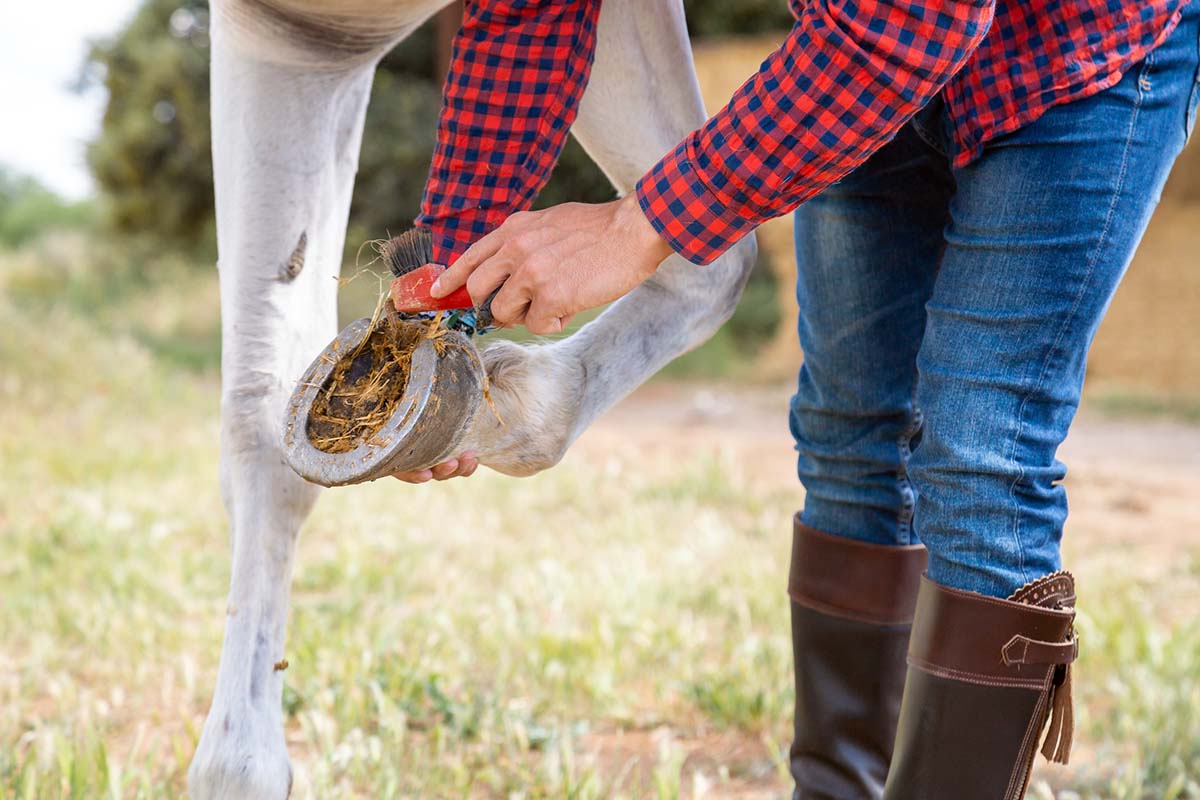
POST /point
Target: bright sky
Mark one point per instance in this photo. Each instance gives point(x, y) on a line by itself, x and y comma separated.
point(43, 124)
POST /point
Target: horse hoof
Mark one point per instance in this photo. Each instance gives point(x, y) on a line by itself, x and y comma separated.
point(416, 429)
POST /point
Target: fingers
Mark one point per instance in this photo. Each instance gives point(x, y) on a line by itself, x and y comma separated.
point(529, 297)
point(467, 263)
point(510, 304)
point(517, 306)
point(467, 464)
point(418, 476)
point(446, 469)
point(544, 324)
point(479, 255)
point(462, 467)
point(510, 265)
point(546, 314)
point(487, 278)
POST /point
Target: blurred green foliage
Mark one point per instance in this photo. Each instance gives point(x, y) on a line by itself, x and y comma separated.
point(727, 17)
point(28, 209)
point(151, 158)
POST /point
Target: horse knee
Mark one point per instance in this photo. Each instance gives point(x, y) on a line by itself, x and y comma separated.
point(251, 410)
point(744, 255)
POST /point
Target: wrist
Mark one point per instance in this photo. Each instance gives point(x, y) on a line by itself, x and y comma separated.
point(646, 239)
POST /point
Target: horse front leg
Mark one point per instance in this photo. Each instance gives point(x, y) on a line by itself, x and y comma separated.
point(285, 148)
point(642, 99)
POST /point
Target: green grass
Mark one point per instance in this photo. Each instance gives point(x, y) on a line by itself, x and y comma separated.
point(1139, 404)
point(469, 639)
point(1142, 689)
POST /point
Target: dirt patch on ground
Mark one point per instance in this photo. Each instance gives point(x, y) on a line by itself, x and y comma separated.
point(1131, 482)
point(727, 765)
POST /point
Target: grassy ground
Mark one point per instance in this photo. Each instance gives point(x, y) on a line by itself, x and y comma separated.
point(616, 627)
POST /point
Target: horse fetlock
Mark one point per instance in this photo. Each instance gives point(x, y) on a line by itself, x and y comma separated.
point(535, 399)
point(240, 757)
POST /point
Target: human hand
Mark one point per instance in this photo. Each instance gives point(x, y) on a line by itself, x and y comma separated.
point(462, 467)
point(554, 263)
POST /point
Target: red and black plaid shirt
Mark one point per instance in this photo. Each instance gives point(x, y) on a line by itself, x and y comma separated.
point(849, 75)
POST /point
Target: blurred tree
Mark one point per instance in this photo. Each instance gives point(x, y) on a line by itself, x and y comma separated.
point(397, 145)
point(724, 18)
point(151, 158)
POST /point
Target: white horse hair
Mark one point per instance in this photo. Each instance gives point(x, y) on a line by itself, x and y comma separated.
point(290, 84)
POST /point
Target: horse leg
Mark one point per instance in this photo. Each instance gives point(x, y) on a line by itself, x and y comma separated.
point(642, 99)
point(285, 148)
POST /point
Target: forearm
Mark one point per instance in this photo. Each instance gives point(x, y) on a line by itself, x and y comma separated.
point(517, 74)
point(839, 87)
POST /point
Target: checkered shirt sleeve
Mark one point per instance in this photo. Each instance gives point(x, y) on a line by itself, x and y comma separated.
point(517, 72)
point(849, 75)
point(846, 79)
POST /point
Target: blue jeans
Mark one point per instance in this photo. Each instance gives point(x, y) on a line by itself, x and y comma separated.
point(946, 314)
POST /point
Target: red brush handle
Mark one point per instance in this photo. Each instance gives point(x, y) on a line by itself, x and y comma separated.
point(410, 292)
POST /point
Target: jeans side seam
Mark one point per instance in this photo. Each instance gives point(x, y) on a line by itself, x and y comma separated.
point(1189, 114)
point(904, 448)
point(1071, 315)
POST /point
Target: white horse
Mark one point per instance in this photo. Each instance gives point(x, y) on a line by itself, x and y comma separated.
point(290, 82)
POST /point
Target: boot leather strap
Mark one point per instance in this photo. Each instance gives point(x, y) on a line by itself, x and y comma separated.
point(1023, 650)
point(1026, 641)
point(987, 640)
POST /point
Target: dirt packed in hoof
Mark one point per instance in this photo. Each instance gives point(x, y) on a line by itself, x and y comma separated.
point(364, 389)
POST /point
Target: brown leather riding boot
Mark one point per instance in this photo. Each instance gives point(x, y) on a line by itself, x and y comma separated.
point(852, 610)
point(984, 676)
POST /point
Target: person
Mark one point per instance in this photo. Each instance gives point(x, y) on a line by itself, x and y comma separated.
point(970, 179)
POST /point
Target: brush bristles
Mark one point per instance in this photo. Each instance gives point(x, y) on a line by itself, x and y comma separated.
point(409, 250)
